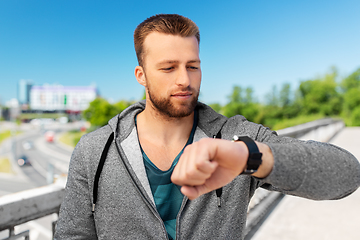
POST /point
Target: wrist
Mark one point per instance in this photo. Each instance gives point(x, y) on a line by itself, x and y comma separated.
point(267, 161)
point(260, 160)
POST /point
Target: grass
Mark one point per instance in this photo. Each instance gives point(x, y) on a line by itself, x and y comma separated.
point(41, 115)
point(5, 166)
point(6, 134)
point(71, 138)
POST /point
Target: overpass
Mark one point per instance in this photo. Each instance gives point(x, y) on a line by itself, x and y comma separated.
point(291, 217)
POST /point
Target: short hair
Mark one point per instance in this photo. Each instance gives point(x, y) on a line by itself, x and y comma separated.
point(173, 24)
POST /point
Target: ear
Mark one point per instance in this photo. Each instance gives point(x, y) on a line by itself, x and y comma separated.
point(140, 75)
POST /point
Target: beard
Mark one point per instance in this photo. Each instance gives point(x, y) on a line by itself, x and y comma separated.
point(167, 108)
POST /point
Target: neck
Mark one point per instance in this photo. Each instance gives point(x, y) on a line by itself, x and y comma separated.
point(164, 129)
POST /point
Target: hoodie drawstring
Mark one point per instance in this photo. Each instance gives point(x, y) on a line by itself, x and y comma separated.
point(99, 169)
point(219, 190)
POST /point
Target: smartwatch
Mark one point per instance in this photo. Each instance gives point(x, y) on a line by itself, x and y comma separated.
point(254, 160)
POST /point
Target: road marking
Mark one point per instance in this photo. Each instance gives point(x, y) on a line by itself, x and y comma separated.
point(58, 163)
point(41, 146)
point(40, 169)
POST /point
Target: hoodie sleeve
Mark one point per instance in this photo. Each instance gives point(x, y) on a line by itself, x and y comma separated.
point(310, 169)
point(75, 219)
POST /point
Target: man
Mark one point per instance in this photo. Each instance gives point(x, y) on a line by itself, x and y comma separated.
point(129, 187)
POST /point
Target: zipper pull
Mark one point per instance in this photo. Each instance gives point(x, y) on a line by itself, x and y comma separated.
point(218, 194)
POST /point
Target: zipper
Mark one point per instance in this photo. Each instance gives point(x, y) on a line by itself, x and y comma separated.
point(149, 204)
point(177, 236)
point(218, 195)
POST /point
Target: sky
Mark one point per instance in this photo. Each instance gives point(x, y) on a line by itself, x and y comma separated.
point(257, 44)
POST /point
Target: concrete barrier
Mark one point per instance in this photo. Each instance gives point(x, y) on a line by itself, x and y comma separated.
point(21, 207)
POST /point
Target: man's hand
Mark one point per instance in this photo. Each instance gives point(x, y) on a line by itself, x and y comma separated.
point(209, 164)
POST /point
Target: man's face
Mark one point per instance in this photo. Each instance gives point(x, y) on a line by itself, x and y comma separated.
point(172, 73)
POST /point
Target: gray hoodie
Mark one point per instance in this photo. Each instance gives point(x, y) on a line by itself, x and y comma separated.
point(125, 207)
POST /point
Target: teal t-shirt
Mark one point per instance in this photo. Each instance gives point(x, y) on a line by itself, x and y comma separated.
point(167, 196)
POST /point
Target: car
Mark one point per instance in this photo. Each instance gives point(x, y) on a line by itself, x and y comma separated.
point(49, 136)
point(27, 145)
point(23, 161)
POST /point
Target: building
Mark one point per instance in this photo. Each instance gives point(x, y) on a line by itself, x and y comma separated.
point(60, 98)
point(24, 88)
point(13, 110)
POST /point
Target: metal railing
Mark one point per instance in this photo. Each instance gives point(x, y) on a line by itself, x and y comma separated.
point(21, 207)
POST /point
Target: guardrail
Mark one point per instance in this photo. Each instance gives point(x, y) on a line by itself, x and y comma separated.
point(25, 206)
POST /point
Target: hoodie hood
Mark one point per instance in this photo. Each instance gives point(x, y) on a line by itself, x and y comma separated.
point(122, 124)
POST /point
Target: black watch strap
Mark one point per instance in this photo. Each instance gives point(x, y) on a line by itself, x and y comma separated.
point(254, 159)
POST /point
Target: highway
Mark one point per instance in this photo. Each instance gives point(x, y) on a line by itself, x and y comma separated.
point(48, 159)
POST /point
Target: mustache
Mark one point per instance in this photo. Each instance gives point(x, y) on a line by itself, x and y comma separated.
point(184, 89)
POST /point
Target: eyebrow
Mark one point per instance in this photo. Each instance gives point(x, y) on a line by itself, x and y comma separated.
point(175, 61)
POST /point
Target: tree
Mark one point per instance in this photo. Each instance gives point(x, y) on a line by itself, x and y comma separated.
point(351, 91)
point(321, 95)
point(284, 99)
point(290, 107)
point(99, 112)
point(144, 95)
point(355, 117)
point(235, 96)
point(272, 97)
point(216, 107)
point(242, 105)
point(272, 111)
point(352, 81)
point(122, 105)
point(352, 99)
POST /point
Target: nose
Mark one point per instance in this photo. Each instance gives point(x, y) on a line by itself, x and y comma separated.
point(183, 78)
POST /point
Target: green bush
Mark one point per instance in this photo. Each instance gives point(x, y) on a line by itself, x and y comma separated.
point(355, 117)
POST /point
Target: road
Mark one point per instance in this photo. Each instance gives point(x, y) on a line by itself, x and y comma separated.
point(47, 160)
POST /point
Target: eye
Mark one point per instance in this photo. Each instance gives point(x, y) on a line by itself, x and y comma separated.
point(193, 68)
point(168, 69)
